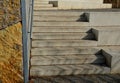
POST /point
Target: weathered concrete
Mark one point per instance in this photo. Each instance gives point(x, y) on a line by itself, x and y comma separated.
point(63, 36)
point(62, 29)
point(64, 43)
point(59, 19)
point(109, 36)
point(113, 60)
point(59, 13)
point(104, 18)
point(60, 51)
point(67, 60)
point(68, 70)
point(38, 23)
point(82, 4)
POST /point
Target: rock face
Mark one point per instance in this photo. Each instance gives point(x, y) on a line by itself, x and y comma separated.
point(10, 42)
point(10, 54)
point(9, 12)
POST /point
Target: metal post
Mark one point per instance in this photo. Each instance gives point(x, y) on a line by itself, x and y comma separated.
point(24, 42)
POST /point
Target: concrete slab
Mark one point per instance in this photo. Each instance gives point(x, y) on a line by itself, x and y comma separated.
point(109, 36)
point(82, 4)
point(104, 18)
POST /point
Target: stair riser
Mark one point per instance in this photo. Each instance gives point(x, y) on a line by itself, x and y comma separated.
point(41, 2)
point(63, 36)
point(59, 19)
point(58, 13)
point(61, 29)
point(68, 70)
point(61, 24)
point(66, 62)
point(43, 6)
point(38, 9)
point(65, 51)
point(54, 43)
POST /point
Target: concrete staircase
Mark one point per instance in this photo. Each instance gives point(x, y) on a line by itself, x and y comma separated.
point(43, 5)
point(83, 4)
point(70, 4)
point(74, 42)
point(64, 44)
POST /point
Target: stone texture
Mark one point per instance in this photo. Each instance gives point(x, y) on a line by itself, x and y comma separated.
point(9, 12)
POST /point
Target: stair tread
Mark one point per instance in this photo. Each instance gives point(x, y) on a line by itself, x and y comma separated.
point(42, 5)
point(51, 8)
point(65, 51)
point(37, 23)
point(61, 29)
point(58, 13)
point(44, 43)
point(58, 18)
point(62, 36)
point(68, 70)
point(71, 59)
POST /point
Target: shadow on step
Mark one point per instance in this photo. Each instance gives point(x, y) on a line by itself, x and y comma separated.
point(106, 78)
point(82, 18)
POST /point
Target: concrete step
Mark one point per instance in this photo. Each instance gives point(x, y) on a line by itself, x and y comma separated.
point(50, 8)
point(37, 23)
point(90, 6)
point(64, 43)
point(59, 13)
point(43, 6)
point(41, 2)
point(67, 60)
point(54, 51)
point(81, 5)
point(54, 70)
point(64, 36)
point(61, 29)
point(80, 1)
point(59, 18)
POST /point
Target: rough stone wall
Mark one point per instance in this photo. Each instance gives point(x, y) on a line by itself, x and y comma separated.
point(10, 54)
point(9, 12)
point(10, 42)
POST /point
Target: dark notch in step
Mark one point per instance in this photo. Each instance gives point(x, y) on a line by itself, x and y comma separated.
point(82, 18)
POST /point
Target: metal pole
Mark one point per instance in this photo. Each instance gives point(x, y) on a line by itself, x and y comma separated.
point(24, 42)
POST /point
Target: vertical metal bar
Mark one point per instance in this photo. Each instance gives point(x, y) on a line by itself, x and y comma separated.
point(31, 17)
point(24, 42)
